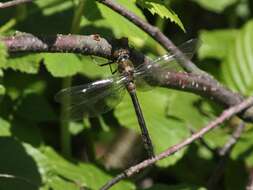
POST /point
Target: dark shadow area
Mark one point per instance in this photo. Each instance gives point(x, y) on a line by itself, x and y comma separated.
point(50, 24)
point(15, 161)
point(197, 170)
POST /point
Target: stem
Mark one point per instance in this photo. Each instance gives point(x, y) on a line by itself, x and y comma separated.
point(75, 28)
point(11, 23)
point(65, 124)
point(66, 83)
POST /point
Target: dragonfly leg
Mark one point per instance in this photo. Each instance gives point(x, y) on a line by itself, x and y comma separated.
point(113, 72)
point(108, 63)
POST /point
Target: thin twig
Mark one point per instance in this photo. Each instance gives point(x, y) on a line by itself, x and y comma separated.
point(203, 142)
point(226, 149)
point(13, 3)
point(224, 154)
point(224, 116)
point(88, 45)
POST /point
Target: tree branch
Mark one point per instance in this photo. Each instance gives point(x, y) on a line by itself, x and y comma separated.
point(13, 3)
point(98, 46)
point(87, 45)
point(155, 33)
point(226, 149)
point(224, 116)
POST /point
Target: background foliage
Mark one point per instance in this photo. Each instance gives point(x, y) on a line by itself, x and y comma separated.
point(43, 154)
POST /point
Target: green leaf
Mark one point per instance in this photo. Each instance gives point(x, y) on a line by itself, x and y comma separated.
point(26, 63)
point(234, 49)
point(159, 7)
point(108, 23)
point(215, 5)
point(5, 128)
point(49, 7)
point(3, 54)
point(175, 187)
point(169, 116)
point(85, 175)
point(58, 183)
point(75, 127)
point(91, 68)
point(237, 67)
point(197, 115)
point(18, 84)
point(243, 148)
point(2, 90)
point(215, 43)
point(62, 65)
point(164, 132)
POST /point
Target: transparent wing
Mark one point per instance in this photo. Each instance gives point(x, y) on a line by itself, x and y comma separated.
point(94, 98)
point(144, 72)
point(188, 49)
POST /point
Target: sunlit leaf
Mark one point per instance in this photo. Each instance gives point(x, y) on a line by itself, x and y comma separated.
point(50, 7)
point(5, 128)
point(80, 174)
point(26, 63)
point(160, 8)
point(234, 49)
point(170, 117)
point(164, 131)
point(3, 54)
point(237, 67)
point(215, 44)
point(62, 65)
point(2, 91)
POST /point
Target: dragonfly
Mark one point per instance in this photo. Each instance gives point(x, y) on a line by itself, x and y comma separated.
point(96, 98)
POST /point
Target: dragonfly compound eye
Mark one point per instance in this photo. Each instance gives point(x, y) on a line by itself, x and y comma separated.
point(123, 57)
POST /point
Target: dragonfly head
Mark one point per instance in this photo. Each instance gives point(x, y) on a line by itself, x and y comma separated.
point(123, 57)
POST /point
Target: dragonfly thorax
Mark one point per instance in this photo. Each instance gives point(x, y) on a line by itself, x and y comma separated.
point(125, 66)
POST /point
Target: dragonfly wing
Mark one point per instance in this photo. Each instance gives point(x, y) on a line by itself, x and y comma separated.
point(92, 99)
point(170, 60)
point(144, 72)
